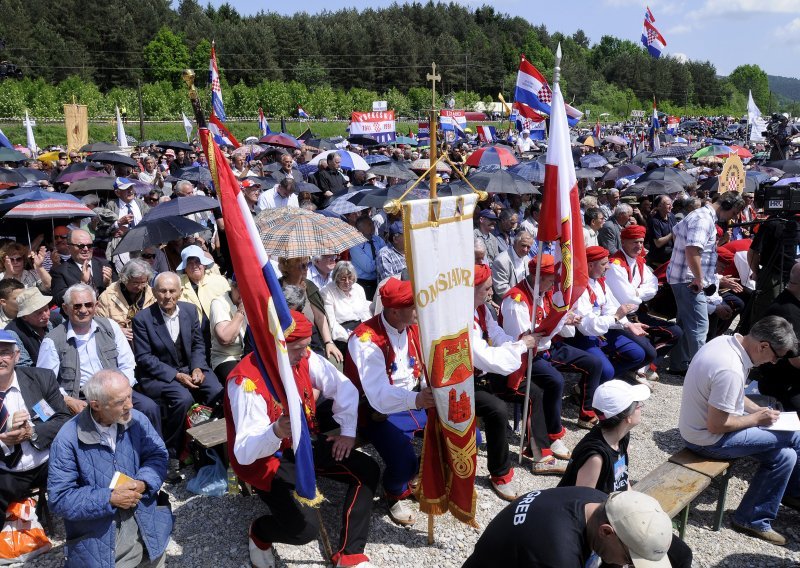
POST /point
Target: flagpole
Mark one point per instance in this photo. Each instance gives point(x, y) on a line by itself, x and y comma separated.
point(556, 77)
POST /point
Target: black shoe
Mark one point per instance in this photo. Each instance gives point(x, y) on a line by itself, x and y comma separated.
point(173, 472)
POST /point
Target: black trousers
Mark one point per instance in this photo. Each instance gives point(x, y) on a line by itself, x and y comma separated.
point(567, 358)
point(494, 413)
point(370, 287)
point(661, 334)
point(18, 485)
point(536, 428)
point(293, 523)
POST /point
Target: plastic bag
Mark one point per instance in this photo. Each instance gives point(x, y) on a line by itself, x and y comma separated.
point(22, 537)
point(211, 479)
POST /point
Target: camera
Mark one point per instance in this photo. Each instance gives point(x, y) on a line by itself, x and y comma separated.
point(778, 200)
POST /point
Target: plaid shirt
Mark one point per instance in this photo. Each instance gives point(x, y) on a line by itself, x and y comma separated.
point(390, 262)
point(697, 229)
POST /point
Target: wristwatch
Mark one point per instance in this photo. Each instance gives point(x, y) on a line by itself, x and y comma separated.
point(34, 435)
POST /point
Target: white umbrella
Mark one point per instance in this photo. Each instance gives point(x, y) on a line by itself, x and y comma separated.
point(350, 160)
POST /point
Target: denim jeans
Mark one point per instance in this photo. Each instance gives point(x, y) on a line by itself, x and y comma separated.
point(778, 473)
point(693, 319)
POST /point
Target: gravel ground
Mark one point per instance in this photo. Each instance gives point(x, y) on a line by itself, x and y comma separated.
point(212, 531)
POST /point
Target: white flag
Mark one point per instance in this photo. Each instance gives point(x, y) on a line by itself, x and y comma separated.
point(29, 124)
point(188, 127)
point(754, 120)
point(122, 140)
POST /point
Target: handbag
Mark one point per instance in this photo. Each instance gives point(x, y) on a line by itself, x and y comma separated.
point(22, 537)
point(211, 479)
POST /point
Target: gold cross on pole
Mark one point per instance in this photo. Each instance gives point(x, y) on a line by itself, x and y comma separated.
point(433, 77)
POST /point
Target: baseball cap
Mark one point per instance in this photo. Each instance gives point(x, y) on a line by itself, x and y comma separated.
point(488, 214)
point(615, 396)
point(395, 228)
point(123, 183)
point(193, 251)
point(642, 526)
point(31, 300)
point(7, 337)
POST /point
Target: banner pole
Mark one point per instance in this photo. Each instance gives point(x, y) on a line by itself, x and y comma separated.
point(531, 353)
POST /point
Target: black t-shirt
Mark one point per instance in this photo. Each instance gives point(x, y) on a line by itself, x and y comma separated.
point(656, 229)
point(541, 529)
point(614, 471)
point(778, 240)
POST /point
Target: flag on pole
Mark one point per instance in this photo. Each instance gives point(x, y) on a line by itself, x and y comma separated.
point(597, 129)
point(487, 134)
point(561, 218)
point(754, 120)
point(263, 125)
point(651, 37)
point(506, 108)
point(301, 113)
point(188, 127)
point(30, 140)
point(532, 90)
point(267, 313)
point(655, 142)
point(4, 141)
point(122, 139)
point(221, 134)
point(217, 107)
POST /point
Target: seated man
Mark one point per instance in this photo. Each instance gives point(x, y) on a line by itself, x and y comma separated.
point(718, 421)
point(32, 323)
point(258, 430)
point(85, 344)
point(510, 267)
point(107, 523)
point(633, 282)
point(10, 290)
point(31, 413)
point(171, 361)
point(384, 360)
point(81, 267)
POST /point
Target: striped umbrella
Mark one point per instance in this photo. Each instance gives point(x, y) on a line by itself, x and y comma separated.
point(290, 232)
point(492, 156)
point(49, 209)
point(350, 160)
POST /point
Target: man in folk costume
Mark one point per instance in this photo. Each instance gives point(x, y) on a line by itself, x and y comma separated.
point(604, 330)
point(552, 354)
point(384, 360)
point(259, 448)
point(633, 282)
point(496, 355)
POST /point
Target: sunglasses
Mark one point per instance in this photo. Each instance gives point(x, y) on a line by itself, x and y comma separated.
point(59, 236)
point(147, 256)
point(82, 246)
point(15, 259)
point(87, 305)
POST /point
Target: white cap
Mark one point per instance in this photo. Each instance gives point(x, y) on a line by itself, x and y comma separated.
point(642, 526)
point(613, 397)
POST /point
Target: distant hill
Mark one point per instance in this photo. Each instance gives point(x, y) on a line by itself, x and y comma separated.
point(786, 87)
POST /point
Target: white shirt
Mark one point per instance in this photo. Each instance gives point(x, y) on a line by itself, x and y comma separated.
point(123, 210)
point(107, 433)
point(31, 457)
point(340, 308)
point(598, 319)
point(271, 199)
point(172, 323)
point(500, 354)
point(255, 433)
point(517, 321)
point(642, 289)
point(316, 276)
point(524, 144)
point(384, 397)
point(223, 310)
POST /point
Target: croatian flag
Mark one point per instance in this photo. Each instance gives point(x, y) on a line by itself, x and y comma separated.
point(561, 218)
point(301, 113)
point(487, 134)
point(532, 90)
point(216, 91)
point(221, 134)
point(267, 312)
point(453, 120)
point(651, 37)
point(263, 125)
point(655, 143)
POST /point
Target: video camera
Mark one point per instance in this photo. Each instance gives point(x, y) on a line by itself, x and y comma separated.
point(778, 200)
point(776, 127)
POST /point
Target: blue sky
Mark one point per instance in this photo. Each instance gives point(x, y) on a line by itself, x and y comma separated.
point(726, 32)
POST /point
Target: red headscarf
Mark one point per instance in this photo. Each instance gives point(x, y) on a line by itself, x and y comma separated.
point(633, 232)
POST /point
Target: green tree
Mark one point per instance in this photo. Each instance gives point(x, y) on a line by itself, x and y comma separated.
point(310, 72)
point(201, 55)
point(166, 56)
point(751, 77)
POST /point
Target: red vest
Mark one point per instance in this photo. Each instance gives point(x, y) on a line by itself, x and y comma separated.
point(523, 293)
point(620, 259)
point(260, 473)
point(592, 295)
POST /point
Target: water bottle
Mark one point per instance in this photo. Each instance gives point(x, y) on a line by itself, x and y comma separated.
point(233, 482)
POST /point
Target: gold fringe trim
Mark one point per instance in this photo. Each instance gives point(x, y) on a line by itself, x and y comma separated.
point(315, 502)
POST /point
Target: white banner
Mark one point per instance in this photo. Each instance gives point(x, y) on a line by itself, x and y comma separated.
point(377, 125)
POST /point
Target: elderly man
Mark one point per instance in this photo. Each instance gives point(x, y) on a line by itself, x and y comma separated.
point(283, 194)
point(258, 431)
point(331, 179)
point(609, 235)
point(128, 210)
point(391, 258)
point(287, 169)
point(33, 320)
point(321, 268)
point(128, 296)
point(510, 267)
point(487, 220)
point(365, 256)
point(384, 360)
point(31, 413)
point(718, 421)
point(171, 360)
point(524, 142)
point(691, 273)
point(81, 267)
point(106, 469)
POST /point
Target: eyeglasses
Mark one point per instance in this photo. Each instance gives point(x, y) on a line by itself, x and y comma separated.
point(7, 354)
point(147, 256)
point(59, 236)
point(82, 246)
point(15, 259)
point(87, 305)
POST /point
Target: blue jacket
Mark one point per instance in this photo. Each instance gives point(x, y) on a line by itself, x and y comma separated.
point(80, 472)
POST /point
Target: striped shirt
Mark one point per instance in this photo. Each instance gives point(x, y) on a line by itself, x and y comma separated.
point(697, 229)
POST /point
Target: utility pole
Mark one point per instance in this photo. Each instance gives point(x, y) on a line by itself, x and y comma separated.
point(466, 66)
point(141, 110)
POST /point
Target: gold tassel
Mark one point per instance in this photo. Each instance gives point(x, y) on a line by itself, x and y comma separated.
point(315, 502)
point(248, 385)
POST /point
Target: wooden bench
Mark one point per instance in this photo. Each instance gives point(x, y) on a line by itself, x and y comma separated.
point(209, 434)
point(676, 483)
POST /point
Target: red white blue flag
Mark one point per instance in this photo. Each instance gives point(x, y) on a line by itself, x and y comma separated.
point(651, 37)
point(263, 125)
point(301, 113)
point(221, 134)
point(487, 134)
point(216, 91)
point(532, 90)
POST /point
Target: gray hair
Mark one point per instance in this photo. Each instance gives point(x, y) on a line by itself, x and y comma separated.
point(295, 297)
point(96, 388)
point(343, 267)
point(78, 289)
point(288, 184)
point(623, 209)
point(162, 275)
point(520, 234)
point(480, 246)
point(182, 183)
point(776, 331)
point(135, 268)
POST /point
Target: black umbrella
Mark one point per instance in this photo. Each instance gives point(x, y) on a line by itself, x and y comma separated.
point(181, 206)
point(654, 187)
point(11, 155)
point(156, 231)
point(321, 143)
point(79, 167)
point(32, 174)
point(306, 135)
point(711, 184)
point(495, 179)
point(669, 174)
point(100, 147)
point(100, 183)
point(642, 157)
point(455, 188)
point(197, 174)
point(305, 187)
point(677, 151)
point(111, 158)
point(11, 176)
point(788, 166)
point(393, 169)
point(363, 140)
point(622, 171)
point(590, 173)
point(377, 197)
point(175, 145)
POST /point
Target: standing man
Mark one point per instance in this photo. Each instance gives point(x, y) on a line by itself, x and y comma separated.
point(80, 268)
point(506, 229)
point(691, 273)
point(659, 231)
point(365, 256)
point(719, 422)
point(331, 179)
point(129, 210)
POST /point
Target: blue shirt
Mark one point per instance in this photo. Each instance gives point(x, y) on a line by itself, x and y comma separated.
point(363, 260)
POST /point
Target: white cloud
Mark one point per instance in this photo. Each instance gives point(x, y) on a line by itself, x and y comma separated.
point(679, 29)
point(790, 33)
point(713, 8)
point(681, 57)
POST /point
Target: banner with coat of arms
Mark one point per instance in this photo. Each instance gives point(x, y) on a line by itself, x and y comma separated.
point(440, 257)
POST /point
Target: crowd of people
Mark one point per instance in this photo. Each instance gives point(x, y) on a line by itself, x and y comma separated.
point(103, 356)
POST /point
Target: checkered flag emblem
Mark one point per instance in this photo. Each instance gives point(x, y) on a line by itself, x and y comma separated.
point(651, 36)
point(545, 95)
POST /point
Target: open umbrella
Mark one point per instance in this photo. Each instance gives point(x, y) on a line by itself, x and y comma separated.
point(422, 164)
point(654, 187)
point(741, 151)
point(787, 181)
point(713, 150)
point(531, 170)
point(181, 206)
point(393, 169)
point(407, 140)
point(451, 189)
point(494, 179)
point(49, 209)
point(13, 197)
point(669, 174)
point(593, 161)
point(71, 177)
point(590, 140)
point(290, 232)
point(175, 145)
point(321, 143)
point(111, 158)
point(100, 147)
point(615, 140)
point(770, 171)
point(305, 187)
point(282, 140)
point(157, 231)
point(673, 151)
point(374, 159)
point(622, 171)
point(196, 174)
point(350, 160)
point(9, 155)
point(711, 184)
point(249, 150)
point(642, 157)
point(342, 205)
point(97, 183)
point(380, 196)
point(589, 173)
point(787, 166)
point(492, 155)
point(12, 176)
point(362, 140)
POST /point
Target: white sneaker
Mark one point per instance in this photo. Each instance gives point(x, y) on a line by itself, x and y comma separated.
point(560, 450)
point(549, 466)
point(505, 491)
point(651, 375)
point(402, 514)
point(259, 557)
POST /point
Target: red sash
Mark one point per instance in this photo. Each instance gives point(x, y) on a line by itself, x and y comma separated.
point(623, 261)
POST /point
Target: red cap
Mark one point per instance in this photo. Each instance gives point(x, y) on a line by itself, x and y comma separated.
point(302, 328)
point(594, 253)
point(633, 232)
point(397, 294)
point(482, 273)
point(548, 265)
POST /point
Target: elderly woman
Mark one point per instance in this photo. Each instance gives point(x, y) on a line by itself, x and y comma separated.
point(346, 303)
point(294, 273)
point(15, 256)
point(128, 296)
point(228, 326)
